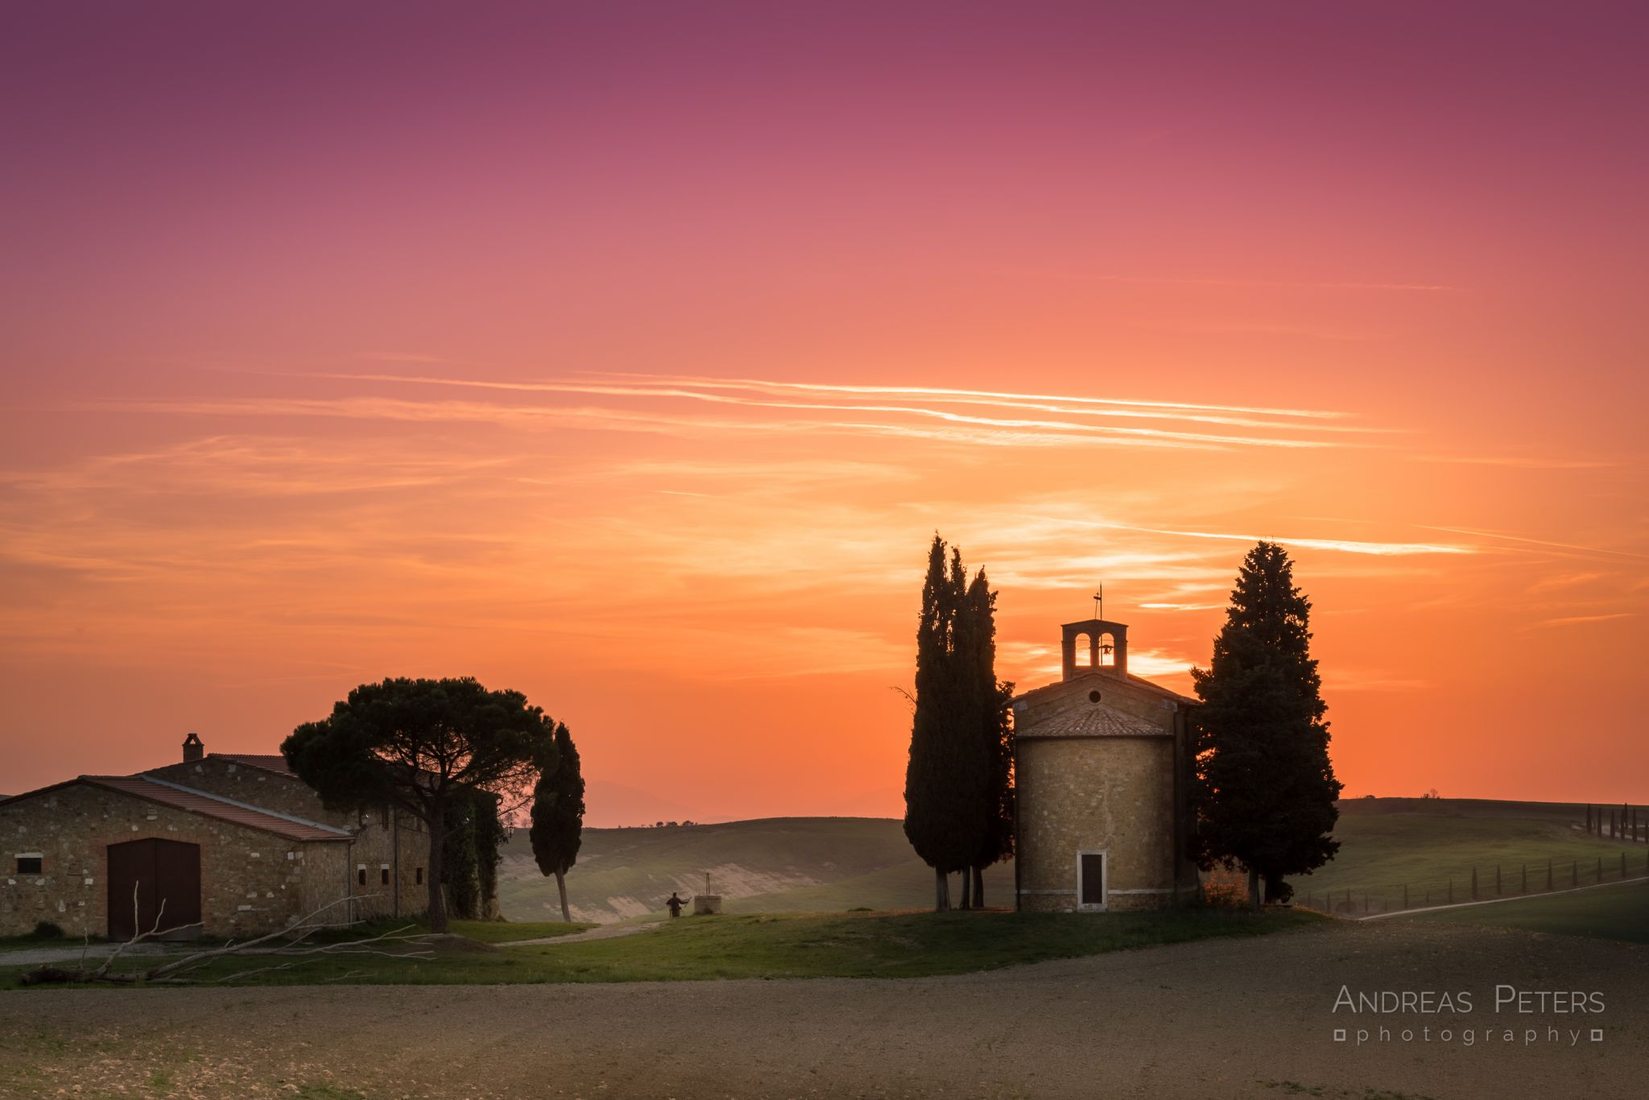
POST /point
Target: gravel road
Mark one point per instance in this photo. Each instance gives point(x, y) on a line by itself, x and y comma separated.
point(1216, 1018)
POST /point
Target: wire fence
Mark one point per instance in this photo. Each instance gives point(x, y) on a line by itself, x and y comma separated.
point(1486, 882)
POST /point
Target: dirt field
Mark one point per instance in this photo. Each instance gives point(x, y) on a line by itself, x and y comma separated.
point(1216, 1018)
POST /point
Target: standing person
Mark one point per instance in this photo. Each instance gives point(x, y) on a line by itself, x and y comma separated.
point(675, 903)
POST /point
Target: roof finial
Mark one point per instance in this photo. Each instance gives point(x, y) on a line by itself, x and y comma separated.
point(1099, 603)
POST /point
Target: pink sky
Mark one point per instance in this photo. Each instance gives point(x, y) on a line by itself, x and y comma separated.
point(630, 355)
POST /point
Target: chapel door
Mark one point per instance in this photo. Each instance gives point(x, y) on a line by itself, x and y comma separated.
point(1091, 880)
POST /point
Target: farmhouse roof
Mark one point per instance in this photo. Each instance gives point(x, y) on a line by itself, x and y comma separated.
point(200, 802)
point(270, 762)
point(1097, 720)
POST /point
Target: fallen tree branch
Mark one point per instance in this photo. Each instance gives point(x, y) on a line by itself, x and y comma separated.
point(299, 927)
point(102, 972)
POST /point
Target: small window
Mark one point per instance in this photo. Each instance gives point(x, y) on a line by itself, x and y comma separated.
point(418, 879)
point(1093, 697)
point(383, 875)
point(31, 865)
point(360, 876)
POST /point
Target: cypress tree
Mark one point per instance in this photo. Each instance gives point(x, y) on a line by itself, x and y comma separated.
point(558, 815)
point(1265, 789)
point(948, 774)
point(995, 731)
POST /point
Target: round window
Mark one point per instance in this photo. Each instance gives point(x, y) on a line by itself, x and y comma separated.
point(1093, 697)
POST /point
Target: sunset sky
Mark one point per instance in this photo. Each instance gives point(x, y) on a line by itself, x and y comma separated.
point(630, 356)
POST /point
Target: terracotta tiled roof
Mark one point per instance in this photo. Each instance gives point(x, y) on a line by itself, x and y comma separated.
point(1140, 681)
point(268, 762)
point(1098, 679)
point(211, 805)
point(1094, 720)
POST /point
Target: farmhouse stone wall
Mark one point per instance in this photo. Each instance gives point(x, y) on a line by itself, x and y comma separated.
point(251, 881)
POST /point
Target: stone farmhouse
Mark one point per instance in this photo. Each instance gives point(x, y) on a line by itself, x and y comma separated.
point(230, 844)
point(1102, 767)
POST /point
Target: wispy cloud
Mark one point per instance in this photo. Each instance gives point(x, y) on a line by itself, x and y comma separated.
point(1545, 544)
point(1581, 620)
point(1347, 546)
point(955, 428)
point(1344, 546)
point(1037, 663)
point(1280, 284)
point(1517, 462)
point(1065, 420)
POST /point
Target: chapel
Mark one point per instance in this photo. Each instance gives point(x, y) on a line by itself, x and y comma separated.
point(1102, 770)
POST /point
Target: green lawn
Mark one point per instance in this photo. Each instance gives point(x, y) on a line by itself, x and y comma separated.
point(1608, 912)
point(789, 946)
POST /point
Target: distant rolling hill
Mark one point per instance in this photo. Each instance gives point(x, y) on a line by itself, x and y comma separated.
point(1432, 845)
point(830, 864)
point(786, 864)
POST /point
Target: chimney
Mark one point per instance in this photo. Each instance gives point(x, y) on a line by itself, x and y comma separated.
point(193, 748)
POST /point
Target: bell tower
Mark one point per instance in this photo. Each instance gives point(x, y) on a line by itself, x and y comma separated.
point(1104, 648)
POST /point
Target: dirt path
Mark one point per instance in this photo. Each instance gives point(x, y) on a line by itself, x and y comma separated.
point(68, 951)
point(1496, 901)
point(1218, 1018)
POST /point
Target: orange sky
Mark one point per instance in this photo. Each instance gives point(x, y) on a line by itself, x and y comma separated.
point(634, 365)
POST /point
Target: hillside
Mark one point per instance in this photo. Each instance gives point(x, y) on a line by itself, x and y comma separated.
point(836, 864)
point(1432, 845)
point(796, 864)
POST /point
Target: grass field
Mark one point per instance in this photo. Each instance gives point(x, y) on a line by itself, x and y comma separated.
point(1607, 912)
point(774, 946)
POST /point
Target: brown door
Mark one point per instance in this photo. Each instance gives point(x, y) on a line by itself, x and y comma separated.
point(155, 873)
